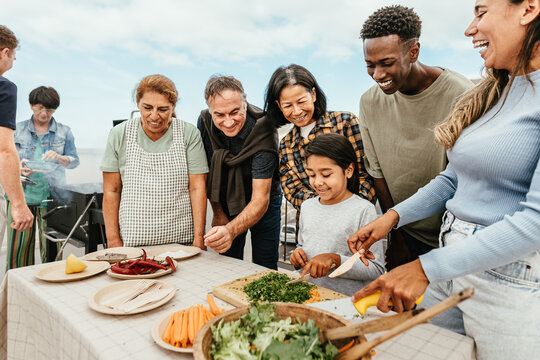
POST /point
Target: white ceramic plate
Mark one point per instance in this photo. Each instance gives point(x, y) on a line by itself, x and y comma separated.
point(159, 328)
point(56, 272)
point(158, 273)
point(184, 251)
point(112, 290)
point(130, 252)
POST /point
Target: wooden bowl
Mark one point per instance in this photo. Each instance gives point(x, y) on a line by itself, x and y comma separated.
point(323, 319)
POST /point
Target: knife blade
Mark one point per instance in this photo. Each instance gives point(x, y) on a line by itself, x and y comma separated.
point(304, 278)
point(346, 266)
point(300, 279)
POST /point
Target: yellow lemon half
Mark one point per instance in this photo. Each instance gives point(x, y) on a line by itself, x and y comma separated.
point(74, 265)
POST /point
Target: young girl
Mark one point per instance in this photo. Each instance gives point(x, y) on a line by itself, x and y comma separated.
point(327, 221)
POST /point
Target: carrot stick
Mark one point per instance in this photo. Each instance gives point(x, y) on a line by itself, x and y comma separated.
point(195, 321)
point(209, 315)
point(191, 324)
point(184, 330)
point(346, 347)
point(212, 303)
point(177, 328)
point(202, 318)
point(167, 333)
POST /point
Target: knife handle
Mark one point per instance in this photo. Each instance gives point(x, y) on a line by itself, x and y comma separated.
point(372, 300)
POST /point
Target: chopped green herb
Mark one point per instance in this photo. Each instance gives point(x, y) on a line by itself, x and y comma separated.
point(272, 288)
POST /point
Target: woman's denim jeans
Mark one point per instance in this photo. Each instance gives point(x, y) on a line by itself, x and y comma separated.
point(503, 316)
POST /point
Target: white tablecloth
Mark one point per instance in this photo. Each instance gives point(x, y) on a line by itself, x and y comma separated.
point(43, 320)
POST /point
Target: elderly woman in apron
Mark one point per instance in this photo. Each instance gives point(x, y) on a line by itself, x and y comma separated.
point(154, 174)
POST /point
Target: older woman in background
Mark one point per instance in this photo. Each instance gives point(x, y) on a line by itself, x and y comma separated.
point(293, 96)
point(46, 148)
point(154, 174)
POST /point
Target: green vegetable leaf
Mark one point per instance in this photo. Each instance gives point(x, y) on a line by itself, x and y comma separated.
point(272, 288)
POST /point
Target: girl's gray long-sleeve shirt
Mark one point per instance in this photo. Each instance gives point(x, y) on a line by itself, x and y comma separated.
point(326, 228)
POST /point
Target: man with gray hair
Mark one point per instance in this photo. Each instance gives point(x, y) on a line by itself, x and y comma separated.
point(9, 160)
point(243, 182)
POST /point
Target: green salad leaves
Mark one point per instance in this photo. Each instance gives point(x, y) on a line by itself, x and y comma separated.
point(260, 335)
point(272, 288)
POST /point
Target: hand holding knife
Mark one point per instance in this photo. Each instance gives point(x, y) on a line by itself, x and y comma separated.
point(324, 258)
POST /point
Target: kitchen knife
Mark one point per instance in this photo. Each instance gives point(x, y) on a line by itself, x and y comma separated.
point(303, 278)
point(346, 266)
point(372, 300)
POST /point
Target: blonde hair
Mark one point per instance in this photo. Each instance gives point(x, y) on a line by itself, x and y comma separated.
point(481, 98)
point(471, 106)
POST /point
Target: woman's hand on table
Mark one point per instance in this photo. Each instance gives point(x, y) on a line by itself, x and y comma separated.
point(403, 285)
point(200, 244)
point(114, 242)
point(374, 231)
point(219, 238)
point(319, 265)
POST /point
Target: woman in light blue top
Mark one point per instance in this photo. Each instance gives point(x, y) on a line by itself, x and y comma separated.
point(490, 237)
point(46, 148)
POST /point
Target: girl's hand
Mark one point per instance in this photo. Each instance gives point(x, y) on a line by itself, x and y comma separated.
point(403, 285)
point(298, 258)
point(374, 231)
point(319, 265)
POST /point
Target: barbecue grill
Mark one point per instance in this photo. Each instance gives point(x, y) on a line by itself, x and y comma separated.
point(76, 215)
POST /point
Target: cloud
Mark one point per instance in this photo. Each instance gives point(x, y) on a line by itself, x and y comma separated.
point(185, 32)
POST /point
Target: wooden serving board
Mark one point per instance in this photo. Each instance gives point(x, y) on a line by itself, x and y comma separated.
point(233, 291)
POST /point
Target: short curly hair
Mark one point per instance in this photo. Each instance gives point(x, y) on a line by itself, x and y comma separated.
point(390, 20)
point(7, 39)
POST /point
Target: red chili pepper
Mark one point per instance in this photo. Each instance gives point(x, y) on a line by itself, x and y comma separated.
point(143, 255)
point(132, 263)
point(170, 262)
point(121, 270)
point(153, 264)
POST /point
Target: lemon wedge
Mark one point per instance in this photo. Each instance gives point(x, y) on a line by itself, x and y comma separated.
point(74, 265)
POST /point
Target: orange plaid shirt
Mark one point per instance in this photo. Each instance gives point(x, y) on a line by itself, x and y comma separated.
point(292, 162)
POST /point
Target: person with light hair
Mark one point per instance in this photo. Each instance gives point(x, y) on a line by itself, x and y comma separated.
point(491, 193)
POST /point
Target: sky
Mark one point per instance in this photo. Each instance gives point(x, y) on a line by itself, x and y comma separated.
point(95, 52)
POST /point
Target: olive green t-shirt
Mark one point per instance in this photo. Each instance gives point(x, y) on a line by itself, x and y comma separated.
point(114, 158)
point(399, 144)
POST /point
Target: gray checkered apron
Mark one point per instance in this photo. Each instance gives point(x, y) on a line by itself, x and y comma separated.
point(155, 207)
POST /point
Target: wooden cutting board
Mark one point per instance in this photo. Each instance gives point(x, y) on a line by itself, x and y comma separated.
point(233, 293)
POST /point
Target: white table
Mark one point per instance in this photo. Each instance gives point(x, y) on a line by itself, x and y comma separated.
point(43, 320)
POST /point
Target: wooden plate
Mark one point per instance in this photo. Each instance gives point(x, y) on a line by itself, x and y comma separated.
point(130, 252)
point(158, 273)
point(188, 251)
point(56, 272)
point(159, 328)
point(111, 290)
